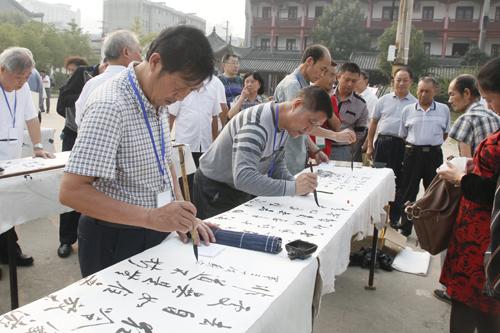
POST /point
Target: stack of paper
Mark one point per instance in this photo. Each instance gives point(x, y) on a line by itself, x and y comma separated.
point(413, 262)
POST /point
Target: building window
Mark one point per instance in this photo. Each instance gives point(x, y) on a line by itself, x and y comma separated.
point(459, 49)
point(292, 13)
point(495, 50)
point(497, 14)
point(266, 12)
point(390, 13)
point(464, 13)
point(318, 11)
point(428, 13)
point(427, 48)
point(276, 40)
point(290, 44)
point(265, 43)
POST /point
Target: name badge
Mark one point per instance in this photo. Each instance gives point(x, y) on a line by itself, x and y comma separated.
point(13, 135)
point(320, 141)
point(163, 198)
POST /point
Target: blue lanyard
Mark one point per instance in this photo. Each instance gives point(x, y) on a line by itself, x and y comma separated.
point(162, 141)
point(12, 114)
point(273, 163)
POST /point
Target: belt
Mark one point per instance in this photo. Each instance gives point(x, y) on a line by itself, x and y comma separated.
point(424, 149)
point(389, 137)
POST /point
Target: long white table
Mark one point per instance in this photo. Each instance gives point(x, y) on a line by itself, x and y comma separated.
point(164, 289)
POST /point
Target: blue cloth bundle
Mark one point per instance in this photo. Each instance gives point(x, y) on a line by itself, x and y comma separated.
point(249, 241)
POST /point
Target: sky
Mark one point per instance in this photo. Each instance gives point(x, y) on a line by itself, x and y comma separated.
point(215, 12)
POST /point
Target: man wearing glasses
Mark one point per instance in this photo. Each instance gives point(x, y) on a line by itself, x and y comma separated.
point(233, 83)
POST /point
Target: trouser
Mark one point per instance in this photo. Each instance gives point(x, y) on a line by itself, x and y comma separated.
point(4, 245)
point(68, 222)
point(391, 150)
point(419, 163)
point(103, 244)
point(190, 177)
point(47, 100)
point(212, 198)
point(464, 319)
point(346, 153)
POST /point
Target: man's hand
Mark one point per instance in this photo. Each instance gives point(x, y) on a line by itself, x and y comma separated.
point(42, 153)
point(345, 136)
point(306, 183)
point(321, 157)
point(369, 152)
point(175, 216)
point(204, 231)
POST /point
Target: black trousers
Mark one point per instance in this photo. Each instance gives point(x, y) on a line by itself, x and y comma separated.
point(103, 244)
point(68, 222)
point(212, 198)
point(4, 245)
point(190, 177)
point(464, 319)
point(419, 163)
point(391, 150)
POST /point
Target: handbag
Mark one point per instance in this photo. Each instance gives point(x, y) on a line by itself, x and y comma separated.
point(434, 214)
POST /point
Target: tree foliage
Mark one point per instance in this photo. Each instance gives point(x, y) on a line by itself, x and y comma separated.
point(418, 60)
point(341, 29)
point(48, 45)
point(475, 57)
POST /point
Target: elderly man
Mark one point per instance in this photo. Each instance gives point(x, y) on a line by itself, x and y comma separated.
point(119, 48)
point(16, 104)
point(247, 158)
point(385, 122)
point(424, 126)
point(125, 186)
point(315, 62)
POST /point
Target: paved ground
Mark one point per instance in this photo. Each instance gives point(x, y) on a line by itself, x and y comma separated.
point(401, 303)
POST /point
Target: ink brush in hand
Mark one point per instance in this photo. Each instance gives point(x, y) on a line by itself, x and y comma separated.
point(314, 192)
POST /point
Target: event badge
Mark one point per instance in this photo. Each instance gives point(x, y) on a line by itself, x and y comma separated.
point(320, 142)
point(163, 198)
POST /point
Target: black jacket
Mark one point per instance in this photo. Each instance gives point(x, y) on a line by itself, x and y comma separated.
point(70, 92)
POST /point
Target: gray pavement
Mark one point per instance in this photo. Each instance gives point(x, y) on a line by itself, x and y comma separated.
point(401, 303)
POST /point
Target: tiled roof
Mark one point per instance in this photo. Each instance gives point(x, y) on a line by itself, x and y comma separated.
point(365, 60)
point(267, 61)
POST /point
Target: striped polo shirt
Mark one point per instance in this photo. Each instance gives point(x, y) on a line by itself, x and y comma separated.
point(244, 151)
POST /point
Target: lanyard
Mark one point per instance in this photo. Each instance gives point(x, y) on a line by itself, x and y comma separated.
point(298, 80)
point(12, 114)
point(273, 163)
point(162, 141)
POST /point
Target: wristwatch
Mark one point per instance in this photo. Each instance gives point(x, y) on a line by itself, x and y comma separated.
point(37, 146)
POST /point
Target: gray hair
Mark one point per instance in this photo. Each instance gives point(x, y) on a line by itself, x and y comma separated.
point(17, 59)
point(115, 42)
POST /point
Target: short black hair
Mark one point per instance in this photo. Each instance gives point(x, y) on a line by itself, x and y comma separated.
point(466, 81)
point(489, 76)
point(226, 57)
point(186, 50)
point(350, 67)
point(404, 69)
point(317, 100)
point(75, 60)
point(257, 77)
point(316, 52)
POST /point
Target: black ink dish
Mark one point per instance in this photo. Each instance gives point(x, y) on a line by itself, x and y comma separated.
point(299, 249)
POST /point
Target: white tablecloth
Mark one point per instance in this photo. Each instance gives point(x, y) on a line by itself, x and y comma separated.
point(237, 290)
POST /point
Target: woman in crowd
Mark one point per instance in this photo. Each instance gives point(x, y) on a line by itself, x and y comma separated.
point(251, 94)
point(463, 270)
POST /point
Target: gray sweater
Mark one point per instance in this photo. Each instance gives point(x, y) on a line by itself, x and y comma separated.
point(244, 151)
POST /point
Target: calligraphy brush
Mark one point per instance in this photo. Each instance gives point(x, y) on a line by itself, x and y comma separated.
point(315, 193)
point(352, 157)
point(195, 238)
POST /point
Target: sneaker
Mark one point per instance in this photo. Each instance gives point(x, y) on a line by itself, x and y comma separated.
point(442, 295)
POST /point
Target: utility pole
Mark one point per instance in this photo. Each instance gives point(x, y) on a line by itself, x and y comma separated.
point(403, 34)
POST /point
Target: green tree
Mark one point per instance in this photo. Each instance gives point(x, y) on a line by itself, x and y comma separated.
point(144, 38)
point(475, 57)
point(341, 29)
point(418, 60)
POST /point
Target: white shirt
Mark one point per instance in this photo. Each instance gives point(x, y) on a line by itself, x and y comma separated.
point(371, 100)
point(12, 130)
point(46, 81)
point(193, 115)
point(91, 85)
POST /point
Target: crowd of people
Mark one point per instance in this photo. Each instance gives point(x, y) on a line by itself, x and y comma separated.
point(124, 190)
